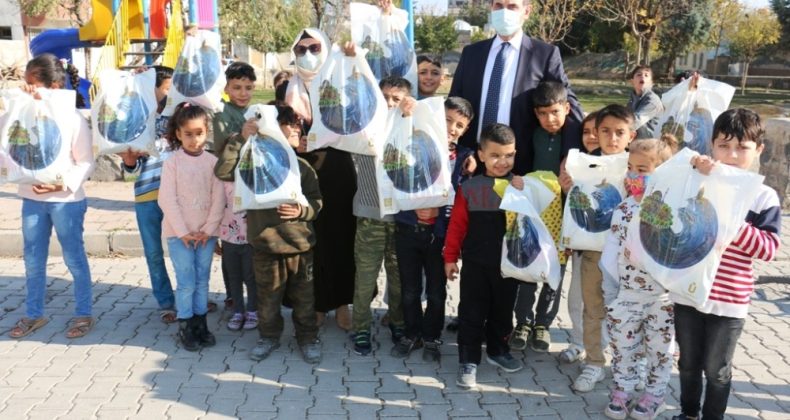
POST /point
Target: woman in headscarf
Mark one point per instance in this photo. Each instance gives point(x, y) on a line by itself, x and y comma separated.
point(333, 260)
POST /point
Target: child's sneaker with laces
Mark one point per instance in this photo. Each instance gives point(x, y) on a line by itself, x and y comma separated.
point(520, 337)
point(648, 407)
point(540, 340)
point(589, 377)
point(618, 405)
point(572, 354)
point(251, 321)
point(467, 376)
point(236, 322)
point(362, 346)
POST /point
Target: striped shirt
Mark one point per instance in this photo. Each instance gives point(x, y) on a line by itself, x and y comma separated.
point(366, 199)
point(146, 187)
point(757, 239)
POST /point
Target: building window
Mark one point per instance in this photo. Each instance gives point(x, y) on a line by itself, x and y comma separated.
point(5, 32)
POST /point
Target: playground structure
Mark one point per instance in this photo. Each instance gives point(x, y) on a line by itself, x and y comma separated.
point(131, 33)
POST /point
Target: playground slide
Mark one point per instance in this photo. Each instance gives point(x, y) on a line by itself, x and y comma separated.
point(101, 19)
point(157, 23)
point(60, 42)
point(206, 17)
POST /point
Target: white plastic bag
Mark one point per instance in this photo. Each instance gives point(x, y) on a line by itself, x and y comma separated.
point(597, 190)
point(123, 116)
point(412, 166)
point(685, 222)
point(689, 114)
point(389, 52)
point(198, 77)
point(36, 136)
point(528, 251)
point(349, 111)
point(267, 173)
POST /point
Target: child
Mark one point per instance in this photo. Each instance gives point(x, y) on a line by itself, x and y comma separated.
point(551, 108)
point(375, 240)
point(240, 83)
point(283, 239)
point(60, 205)
point(707, 335)
point(639, 313)
point(429, 76)
point(575, 351)
point(192, 201)
point(477, 227)
point(146, 208)
point(419, 238)
point(614, 130)
point(644, 103)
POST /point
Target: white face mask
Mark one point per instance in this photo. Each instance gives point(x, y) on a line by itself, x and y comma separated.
point(505, 22)
point(308, 61)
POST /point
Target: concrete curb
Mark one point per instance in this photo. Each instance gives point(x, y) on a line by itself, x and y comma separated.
point(100, 244)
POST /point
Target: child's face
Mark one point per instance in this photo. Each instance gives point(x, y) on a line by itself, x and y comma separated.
point(552, 117)
point(643, 79)
point(429, 78)
point(497, 158)
point(394, 96)
point(240, 91)
point(31, 80)
point(192, 135)
point(292, 132)
point(457, 124)
point(614, 135)
point(730, 151)
point(589, 139)
point(163, 89)
point(641, 163)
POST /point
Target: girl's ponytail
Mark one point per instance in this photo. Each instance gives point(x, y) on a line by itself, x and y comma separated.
point(74, 78)
point(49, 70)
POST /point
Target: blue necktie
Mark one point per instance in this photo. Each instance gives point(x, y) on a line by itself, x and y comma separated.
point(494, 84)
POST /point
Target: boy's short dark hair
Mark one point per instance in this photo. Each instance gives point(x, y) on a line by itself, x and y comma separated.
point(429, 59)
point(460, 105)
point(615, 111)
point(162, 73)
point(395, 82)
point(549, 93)
point(639, 68)
point(240, 70)
point(741, 124)
point(497, 133)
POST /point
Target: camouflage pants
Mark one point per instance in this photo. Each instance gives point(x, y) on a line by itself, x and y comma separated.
point(277, 276)
point(374, 243)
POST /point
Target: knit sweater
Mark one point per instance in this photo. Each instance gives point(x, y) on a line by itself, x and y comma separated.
point(226, 124)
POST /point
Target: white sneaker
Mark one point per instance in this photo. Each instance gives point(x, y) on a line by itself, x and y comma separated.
point(589, 377)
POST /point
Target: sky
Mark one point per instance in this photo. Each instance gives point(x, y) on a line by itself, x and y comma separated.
point(440, 6)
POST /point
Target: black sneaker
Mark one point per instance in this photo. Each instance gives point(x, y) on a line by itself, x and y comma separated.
point(540, 340)
point(452, 326)
point(397, 333)
point(186, 336)
point(405, 346)
point(362, 346)
point(431, 352)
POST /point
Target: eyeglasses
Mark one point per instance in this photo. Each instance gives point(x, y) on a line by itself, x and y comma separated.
point(300, 50)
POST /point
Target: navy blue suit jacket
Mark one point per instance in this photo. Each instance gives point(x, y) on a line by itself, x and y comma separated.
point(537, 62)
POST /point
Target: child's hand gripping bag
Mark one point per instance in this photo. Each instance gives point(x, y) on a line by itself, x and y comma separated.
point(413, 170)
point(686, 221)
point(689, 114)
point(349, 111)
point(267, 173)
point(528, 251)
point(124, 114)
point(36, 136)
point(389, 52)
point(597, 190)
point(198, 77)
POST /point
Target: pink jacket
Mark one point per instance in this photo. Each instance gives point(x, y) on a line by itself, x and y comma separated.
point(191, 197)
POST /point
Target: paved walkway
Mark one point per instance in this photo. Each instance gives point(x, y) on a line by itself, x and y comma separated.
point(129, 366)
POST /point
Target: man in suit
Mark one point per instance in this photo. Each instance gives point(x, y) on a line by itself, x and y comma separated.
point(497, 76)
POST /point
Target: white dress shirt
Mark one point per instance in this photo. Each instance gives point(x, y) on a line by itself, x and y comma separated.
point(511, 56)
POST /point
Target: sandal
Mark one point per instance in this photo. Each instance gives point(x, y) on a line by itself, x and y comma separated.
point(212, 307)
point(251, 321)
point(236, 322)
point(168, 316)
point(26, 326)
point(79, 327)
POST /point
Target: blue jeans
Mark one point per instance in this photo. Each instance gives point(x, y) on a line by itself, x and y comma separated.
point(149, 222)
point(193, 268)
point(38, 218)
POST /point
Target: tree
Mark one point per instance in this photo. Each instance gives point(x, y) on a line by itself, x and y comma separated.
point(475, 13)
point(435, 34)
point(642, 17)
point(265, 25)
point(723, 14)
point(782, 10)
point(36, 7)
point(749, 37)
point(685, 32)
point(551, 20)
